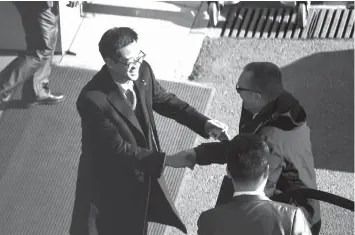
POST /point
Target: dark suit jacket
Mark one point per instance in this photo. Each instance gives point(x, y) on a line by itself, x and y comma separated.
point(118, 164)
point(253, 215)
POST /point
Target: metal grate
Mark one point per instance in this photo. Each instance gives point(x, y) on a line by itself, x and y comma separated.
point(282, 23)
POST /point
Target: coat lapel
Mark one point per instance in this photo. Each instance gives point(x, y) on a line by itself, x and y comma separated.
point(140, 85)
point(119, 102)
point(121, 105)
point(141, 88)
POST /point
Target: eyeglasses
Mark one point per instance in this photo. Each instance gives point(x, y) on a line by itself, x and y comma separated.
point(138, 60)
point(239, 89)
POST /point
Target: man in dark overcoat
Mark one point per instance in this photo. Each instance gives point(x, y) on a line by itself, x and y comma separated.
point(120, 185)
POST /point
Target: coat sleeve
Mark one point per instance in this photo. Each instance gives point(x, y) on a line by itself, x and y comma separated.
point(107, 137)
point(211, 153)
point(170, 106)
point(276, 163)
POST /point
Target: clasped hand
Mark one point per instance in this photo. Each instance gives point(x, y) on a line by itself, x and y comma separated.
point(187, 158)
point(182, 159)
point(217, 130)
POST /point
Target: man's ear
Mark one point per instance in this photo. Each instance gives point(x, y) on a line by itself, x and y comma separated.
point(267, 171)
point(108, 62)
point(257, 96)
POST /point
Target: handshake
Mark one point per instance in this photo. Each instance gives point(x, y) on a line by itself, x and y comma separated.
point(188, 158)
point(182, 159)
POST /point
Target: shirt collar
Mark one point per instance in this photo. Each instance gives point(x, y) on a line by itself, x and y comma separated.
point(126, 86)
point(248, 193)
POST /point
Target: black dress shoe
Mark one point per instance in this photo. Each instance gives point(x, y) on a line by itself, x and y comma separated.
point(48, 99)
point(5, 97)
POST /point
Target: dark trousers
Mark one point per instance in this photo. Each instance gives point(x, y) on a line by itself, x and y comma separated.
point(40, 23)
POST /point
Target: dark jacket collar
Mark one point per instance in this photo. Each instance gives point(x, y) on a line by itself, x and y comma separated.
point(285, 113)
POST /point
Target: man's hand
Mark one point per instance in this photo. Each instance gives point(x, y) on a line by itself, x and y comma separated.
point(216, 130)
point(185, 158)
point(224, 136)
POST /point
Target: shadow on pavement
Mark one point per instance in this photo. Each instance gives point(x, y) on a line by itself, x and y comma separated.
point(324, 84)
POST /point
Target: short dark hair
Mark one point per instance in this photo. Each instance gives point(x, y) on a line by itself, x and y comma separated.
point(115, 39)
point(247, 158)
point(266, 78)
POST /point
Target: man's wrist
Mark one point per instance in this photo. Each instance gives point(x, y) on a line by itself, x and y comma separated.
point(164, 162)
point(205, 126)
point(191, 154)
point(185, 158)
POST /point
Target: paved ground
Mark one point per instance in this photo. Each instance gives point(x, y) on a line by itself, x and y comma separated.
point(320, 74)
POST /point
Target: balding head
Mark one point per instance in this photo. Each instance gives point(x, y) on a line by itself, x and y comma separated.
point(259, 84)
point(266, 78)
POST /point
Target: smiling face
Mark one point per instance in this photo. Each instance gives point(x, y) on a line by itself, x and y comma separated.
point(128, 62)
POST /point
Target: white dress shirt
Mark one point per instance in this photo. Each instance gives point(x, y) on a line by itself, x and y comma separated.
point(238, 193)
point(125, 87)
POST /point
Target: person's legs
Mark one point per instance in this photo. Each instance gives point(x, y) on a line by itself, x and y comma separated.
point(24, 66)
point(48, 21)
point(41, 29)
point(18, 71)
point(40, 80)
point(213, 12)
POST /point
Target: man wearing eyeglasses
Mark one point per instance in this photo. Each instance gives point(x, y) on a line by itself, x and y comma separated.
point(270, 111)
point(119, 184)
point(274, 113)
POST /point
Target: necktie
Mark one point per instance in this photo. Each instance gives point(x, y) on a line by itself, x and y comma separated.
point(131, 97)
